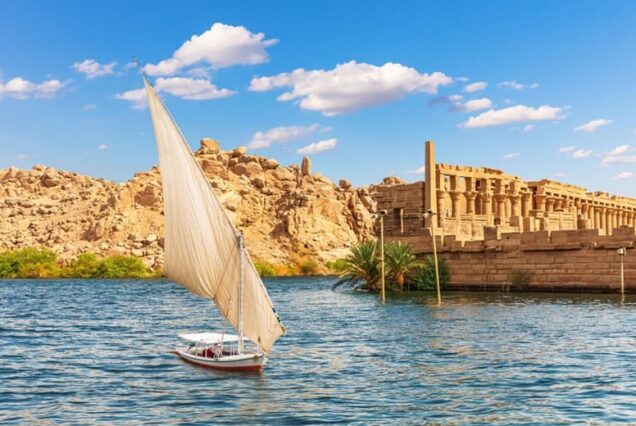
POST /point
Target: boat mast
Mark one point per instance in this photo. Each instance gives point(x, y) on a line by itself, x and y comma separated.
point(240, 301)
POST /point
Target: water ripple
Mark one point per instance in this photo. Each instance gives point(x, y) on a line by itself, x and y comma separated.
point(97, 352)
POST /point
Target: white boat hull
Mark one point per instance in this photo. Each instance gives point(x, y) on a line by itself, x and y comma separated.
point(242, 362)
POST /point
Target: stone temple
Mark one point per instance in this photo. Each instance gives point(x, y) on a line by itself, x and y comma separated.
point(471, 199)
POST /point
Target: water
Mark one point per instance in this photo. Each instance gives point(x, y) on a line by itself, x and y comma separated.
point(96, 352)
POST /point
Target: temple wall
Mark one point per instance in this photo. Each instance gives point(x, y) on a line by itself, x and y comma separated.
point(570, 260)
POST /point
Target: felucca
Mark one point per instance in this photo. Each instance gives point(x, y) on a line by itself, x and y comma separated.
point(206, 254)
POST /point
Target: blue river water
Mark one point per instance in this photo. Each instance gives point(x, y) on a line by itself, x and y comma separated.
point(97, 352)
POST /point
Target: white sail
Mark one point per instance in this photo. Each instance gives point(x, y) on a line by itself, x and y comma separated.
point(201, 244)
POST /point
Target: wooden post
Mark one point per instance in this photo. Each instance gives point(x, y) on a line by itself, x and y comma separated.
point(383, 295)
point(621, 253)
point(437, 286)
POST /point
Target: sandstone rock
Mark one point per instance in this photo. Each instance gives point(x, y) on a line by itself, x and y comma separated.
point(209, 145)
point(247, 169)
point(344, 184)
point(305, 167)
point(241, 150)
point(283, 173)
point(269, 163)
point(392, 180)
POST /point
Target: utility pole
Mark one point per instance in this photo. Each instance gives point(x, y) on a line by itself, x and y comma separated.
point(430, 213)
point(383, 293)
point(622, 252)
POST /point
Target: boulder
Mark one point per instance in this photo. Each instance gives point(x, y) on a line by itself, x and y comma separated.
point(247, 169)
point(210, 146)
point(241, 150)
point(269, 163)
point(305, 166)
point(344, 184)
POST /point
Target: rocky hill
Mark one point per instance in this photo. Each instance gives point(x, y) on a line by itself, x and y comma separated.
point(288, 214)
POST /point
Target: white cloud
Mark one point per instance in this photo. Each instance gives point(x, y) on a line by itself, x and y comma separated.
point(512, 84)
point(528, 128)
point(621, 149)
point(22, 156)
point(472, 105)
point(560, 174)
point(350, 86)
point(136, 96)
point(582, 153)
point(89, 107)
point(624, 176)
point(617, 156)
point(511, 155)
point(19, 88)
point(194, 89)
point(220, 46)
point(280, 135)
point(567, 148)
point(514, 114)
point(475, 87)
point(93, 69)
point(592, 125)
point(102, 147)
point(418, 171)
point(317, 147)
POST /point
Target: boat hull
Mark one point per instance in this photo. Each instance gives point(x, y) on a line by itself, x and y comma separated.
point(243, 362)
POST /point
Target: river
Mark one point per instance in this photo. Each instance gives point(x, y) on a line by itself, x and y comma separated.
point(97, 352)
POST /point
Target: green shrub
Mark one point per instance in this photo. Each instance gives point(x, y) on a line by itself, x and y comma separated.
point(86, 265)
point(265, 269)
point(308, 267)
point(519, 280)
point(337, 266)
point(120, 266)
point(424, 276)
point(28, 263)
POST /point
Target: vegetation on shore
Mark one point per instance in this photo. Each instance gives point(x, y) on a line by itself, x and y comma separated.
point(43, 263)
point(361, 269)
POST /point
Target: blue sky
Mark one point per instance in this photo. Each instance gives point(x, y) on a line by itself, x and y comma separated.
point(374, 80)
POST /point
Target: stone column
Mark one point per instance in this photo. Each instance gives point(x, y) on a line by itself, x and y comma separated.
point(540, 200)
point(558, 204)
point(516, 205)
point(486, 198)
point(549, 205)
point(455, 202)
point(526, 204)
point(608, 221)
point(601, 219)
point(430, 186)
point(500, 199)
point(470, 201)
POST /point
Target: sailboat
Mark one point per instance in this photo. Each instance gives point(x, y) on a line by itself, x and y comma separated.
point(206, 254)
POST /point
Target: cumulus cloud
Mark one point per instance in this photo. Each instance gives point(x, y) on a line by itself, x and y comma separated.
point(221, 46)
point(593, 125)
point(418, 171)
point(475, 87)
point(514, 114)
point(19, 88)
point(511, 155)
point(194, 89)
point(102, 147)
point(136, 96)
point(624, 176)
point(317, 147)
point(619, 155)
point(280, 135)
point(582, 153)
point(350, 86)
point(472, 105)
point(512, 84)
point(93, 69)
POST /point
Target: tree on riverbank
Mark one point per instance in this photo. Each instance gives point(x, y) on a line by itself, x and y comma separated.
point(42, 263)
point(361, 269)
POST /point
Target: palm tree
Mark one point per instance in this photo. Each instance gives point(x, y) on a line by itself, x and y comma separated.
point(400, 261)
point(361, 268)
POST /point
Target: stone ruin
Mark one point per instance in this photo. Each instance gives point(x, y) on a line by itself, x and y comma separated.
point(469, 200)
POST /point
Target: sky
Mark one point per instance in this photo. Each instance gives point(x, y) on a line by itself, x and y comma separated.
point(540, 89)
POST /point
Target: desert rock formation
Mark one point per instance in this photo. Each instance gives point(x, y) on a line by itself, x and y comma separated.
point(287, 214)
